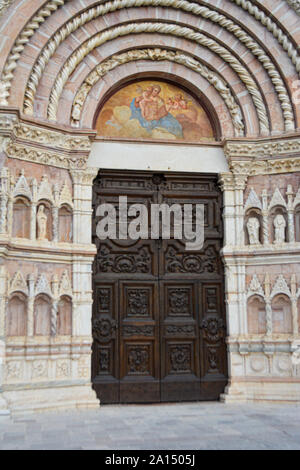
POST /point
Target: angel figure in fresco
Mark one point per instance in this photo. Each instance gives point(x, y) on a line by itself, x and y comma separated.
point(151, 112)
point(176, 103)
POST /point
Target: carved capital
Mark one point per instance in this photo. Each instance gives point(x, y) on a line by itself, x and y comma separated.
point(84, 177)
point(226, 181)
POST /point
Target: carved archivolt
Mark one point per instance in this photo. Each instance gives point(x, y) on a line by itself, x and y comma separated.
point(205, 12)
point(161, 28)
point(28, 31)
point(90, 14)
point(158, 54)
point(277, 32)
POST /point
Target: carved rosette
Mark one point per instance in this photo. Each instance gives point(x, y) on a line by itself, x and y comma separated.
point(213, 329)
point(103, 329)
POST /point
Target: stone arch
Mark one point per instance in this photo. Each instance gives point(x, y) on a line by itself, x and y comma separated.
point(140, 56)
point(196, 85)
point(164, 28)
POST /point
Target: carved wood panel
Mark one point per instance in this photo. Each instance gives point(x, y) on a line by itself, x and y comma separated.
point(158, 315)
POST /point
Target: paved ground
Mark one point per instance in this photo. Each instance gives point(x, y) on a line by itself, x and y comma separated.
point(169, 426)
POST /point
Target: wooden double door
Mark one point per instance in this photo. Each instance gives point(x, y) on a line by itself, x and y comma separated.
point(158, 314)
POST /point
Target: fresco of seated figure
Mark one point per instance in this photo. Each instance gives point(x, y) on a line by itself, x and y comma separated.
point(154, 111)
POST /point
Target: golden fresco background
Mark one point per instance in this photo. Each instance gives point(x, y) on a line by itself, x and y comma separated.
point(154, 110)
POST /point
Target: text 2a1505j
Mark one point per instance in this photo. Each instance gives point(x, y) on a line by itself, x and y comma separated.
point(172, 459)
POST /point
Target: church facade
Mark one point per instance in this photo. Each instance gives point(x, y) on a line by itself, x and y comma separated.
point(156, 101)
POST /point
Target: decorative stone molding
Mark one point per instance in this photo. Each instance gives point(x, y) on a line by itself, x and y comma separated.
point(45, 190)
point(65, 287)
point(269, 291)
point(85, 177)
point(53, 139)
point(32, 154)
point(7, 122)
point(263, 148)
point(163, 28)
point(4, 4)
point(295, 4)
point(273, 27)
point(65, 196)
point(33, 192)
point(157, 54)
point(265, 167)
point(253, 201)
point(22, 187)
point(18, 284)
point(280, 287)
point(42, 286)
point(255, 288)
point(24, 37)
point(92, 13)
point(288, 207)
point(198, 10)
point(277, 200)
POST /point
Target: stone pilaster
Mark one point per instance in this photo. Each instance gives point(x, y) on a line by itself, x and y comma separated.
point(226, 181)
point(4, 196)
point(3, 297)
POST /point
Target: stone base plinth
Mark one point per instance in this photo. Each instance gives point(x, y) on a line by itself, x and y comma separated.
point(262, 391)
point(51, 399)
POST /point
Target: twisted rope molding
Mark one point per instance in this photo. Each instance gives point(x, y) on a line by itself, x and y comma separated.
point(161, 28)
point(295, 4)
point(28, 31)
point(194, 8)
point(157, 55)
point(277, 32)
point(4, 4)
